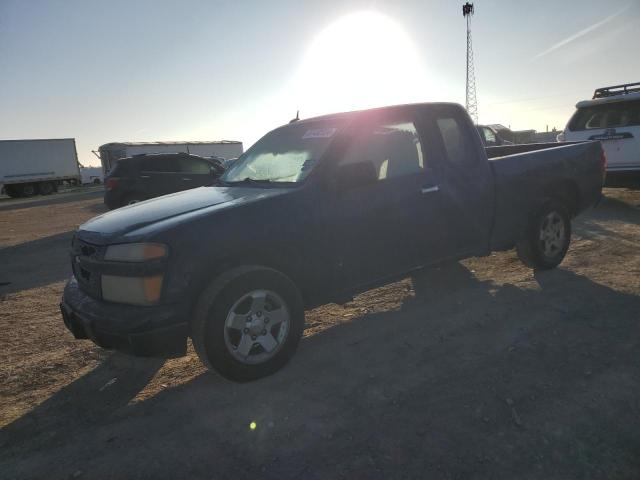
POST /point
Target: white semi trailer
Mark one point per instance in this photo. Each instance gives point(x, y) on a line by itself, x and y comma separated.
point(110, 153)
point(31, 167)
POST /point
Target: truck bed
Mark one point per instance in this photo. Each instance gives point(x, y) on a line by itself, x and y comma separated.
point(528, 175)
point(505, 150)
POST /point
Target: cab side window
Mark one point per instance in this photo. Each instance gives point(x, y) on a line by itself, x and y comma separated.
point(489, 136)
point(457, 143)
point(394, 148)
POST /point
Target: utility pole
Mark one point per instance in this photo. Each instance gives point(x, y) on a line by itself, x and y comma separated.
point(472, 103)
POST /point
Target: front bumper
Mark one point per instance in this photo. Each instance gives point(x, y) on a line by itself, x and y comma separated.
point(158, 331)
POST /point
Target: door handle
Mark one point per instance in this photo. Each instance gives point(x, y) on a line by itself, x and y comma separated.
point(433, 189)
point(187, 179)
point(145, 176)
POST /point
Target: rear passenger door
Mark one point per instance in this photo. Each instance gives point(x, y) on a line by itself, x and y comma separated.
point(196, 172)
point(621, 137)
point(161, 175)
point(465, 186)
point(616, 125)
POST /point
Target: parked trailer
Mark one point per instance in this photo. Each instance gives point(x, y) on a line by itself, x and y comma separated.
point(91, 175)
point(110, 153)
point(39, 166)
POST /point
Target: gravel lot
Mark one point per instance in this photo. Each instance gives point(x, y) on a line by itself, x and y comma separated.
point(480, 369)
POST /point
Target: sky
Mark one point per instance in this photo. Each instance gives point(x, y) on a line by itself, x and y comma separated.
point(141, 70)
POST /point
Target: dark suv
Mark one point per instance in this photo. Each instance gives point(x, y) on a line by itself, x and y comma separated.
point(140, 177)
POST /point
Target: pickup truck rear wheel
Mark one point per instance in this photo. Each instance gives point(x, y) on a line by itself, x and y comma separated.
point(248, 325)
point(547, 238)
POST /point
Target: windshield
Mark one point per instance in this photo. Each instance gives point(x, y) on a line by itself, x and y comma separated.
point(285, 155)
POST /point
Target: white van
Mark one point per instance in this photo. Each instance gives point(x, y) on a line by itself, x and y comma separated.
point(613, 117)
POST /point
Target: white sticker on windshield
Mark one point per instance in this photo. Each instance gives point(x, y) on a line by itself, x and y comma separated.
point(320, 133)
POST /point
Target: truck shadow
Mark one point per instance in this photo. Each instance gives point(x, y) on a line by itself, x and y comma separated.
point(591, 226)
point(92, 400)
point(468, 378)
point(24, 266)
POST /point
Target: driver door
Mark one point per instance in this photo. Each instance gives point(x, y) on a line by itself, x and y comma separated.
point(385, 227)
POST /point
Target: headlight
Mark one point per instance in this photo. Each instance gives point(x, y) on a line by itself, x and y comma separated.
point(132, 290)
point(135, 252)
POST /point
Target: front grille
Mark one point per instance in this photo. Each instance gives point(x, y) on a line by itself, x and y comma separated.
point(88, 281)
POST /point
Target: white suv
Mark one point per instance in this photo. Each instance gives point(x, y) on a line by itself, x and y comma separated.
point(613, 117)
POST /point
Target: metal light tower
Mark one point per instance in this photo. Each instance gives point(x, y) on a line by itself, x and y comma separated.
point(472, 103)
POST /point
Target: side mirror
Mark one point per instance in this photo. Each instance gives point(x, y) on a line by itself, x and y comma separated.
point(353, 175)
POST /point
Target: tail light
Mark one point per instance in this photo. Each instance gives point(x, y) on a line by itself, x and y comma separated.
point(603, 164)
point(111, 183)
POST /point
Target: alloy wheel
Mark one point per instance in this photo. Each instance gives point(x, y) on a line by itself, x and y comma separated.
point(552, 234)
point(257, 326)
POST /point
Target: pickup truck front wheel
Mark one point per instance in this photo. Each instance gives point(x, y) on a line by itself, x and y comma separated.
point(248, 325)
point(547, 238)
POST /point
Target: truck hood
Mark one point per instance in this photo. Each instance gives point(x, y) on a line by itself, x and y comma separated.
point(202, 200)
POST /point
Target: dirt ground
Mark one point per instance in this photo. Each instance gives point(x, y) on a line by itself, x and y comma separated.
point(480, 369)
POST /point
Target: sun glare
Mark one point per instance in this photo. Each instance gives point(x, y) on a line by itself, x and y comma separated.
point(362, 60)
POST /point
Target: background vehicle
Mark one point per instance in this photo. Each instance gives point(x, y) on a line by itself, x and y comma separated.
point(491, 137)
point(141, 177)
point(31, 167)
point(613, 118)
point(91, 175)
point(110, 153)
point(315, 212)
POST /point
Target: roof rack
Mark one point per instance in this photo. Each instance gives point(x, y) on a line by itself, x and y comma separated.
point(617, 90)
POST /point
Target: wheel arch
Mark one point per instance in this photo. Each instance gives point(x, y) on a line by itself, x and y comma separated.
point(566, 192)
point(222, 273)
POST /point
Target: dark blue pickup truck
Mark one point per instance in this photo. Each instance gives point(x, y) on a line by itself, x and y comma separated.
point(314, 212)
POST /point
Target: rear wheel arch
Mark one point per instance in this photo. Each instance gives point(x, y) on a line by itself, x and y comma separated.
point(565, 192)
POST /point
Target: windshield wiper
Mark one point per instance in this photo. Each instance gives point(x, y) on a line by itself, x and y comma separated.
point(251, 181)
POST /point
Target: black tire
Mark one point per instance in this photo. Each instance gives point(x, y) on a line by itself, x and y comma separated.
point(547, 237)
point(210, 332)
point(12, 191)
point(131, 199)
point(27, 189)
point(96, 181)
point(46, 188)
